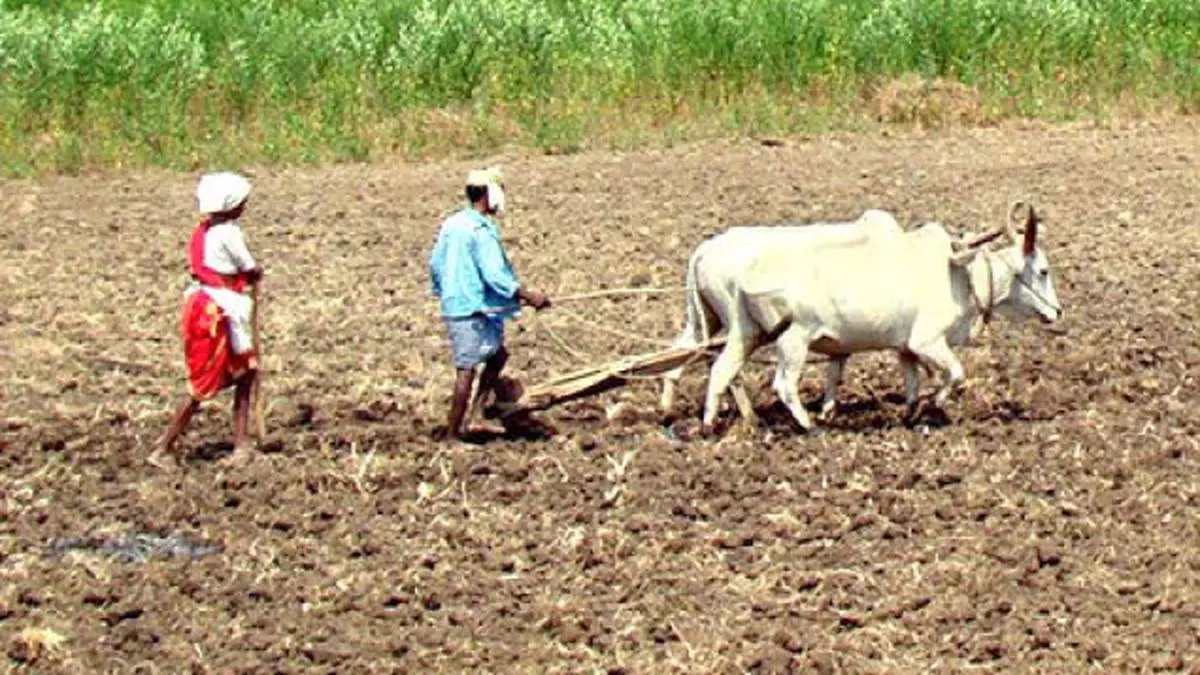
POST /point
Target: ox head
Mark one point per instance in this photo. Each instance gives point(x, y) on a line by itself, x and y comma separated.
point(1031, 293)
point(1021, 281)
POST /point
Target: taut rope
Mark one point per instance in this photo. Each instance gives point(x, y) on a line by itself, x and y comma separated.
point(617, 292)
point(576, 319)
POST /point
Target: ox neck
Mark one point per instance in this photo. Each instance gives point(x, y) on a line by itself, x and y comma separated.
point(978, 291)
point(986, 274)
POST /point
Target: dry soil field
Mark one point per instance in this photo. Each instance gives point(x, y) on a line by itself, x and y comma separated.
point(1050, 527)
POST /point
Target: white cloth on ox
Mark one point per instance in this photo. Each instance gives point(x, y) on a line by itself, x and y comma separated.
point(493, 181)
point(221, 192)
point(238, 309)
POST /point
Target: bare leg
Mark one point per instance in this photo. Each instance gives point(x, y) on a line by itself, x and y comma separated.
point(241, 417)
point(793, 350)
point(165, 448)
point(488, 380)
point(463, 380)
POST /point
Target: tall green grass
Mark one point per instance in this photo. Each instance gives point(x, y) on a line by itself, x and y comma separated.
point(187, 82)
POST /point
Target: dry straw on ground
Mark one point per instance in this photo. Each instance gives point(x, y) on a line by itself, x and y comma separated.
point(1049, 527)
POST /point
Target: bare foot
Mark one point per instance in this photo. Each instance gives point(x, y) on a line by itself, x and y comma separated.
point(486, 428)
point(163, 459)
point(240, 456)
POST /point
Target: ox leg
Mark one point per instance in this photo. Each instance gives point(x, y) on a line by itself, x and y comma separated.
point(724, 370)
point(909, 366)
point(778, 381)
point(793, 350)
point(667, 402)
point(940, 355)
point(671, 377)
point(833, 378)
point(744, 406)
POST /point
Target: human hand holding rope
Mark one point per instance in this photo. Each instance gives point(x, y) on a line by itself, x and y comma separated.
point(535, 299)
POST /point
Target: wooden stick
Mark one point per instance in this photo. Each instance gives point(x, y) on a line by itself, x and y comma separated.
point(597, 379)
point(260, 425)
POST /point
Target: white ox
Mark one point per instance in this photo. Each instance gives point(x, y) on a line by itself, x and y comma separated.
point(912, 294)
point(712, 286)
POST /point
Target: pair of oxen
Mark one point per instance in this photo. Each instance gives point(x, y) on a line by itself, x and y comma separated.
point(840, 289)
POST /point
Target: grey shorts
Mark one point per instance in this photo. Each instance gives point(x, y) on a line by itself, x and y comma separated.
point(474, 339)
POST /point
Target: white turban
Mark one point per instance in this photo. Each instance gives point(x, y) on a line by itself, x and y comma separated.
point(493, 181)
point(220, 192)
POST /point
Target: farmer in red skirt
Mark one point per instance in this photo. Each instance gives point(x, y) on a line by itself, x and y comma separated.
point(218, 340)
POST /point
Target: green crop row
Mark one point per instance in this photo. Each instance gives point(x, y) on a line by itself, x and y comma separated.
point(188, 82)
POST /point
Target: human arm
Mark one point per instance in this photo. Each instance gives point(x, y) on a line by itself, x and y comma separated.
point(239, 253)
point(493, 266)
point(435, 271)
point(498, 274)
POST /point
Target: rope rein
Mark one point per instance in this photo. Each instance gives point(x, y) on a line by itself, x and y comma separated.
point(564, 346)
point(576, 319)
point(618, 292)
point(574, 353)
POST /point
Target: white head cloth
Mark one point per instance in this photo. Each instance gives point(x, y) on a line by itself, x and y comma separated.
point(493, 181)
point(220, 192)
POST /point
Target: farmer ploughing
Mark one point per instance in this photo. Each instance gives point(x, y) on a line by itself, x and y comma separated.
point(477, 291)
point(217, 316)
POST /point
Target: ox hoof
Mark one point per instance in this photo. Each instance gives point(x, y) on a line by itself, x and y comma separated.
point(745, 430)
point(815, 432)
point(912, 413)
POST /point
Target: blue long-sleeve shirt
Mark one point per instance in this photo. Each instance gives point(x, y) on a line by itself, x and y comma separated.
point(469, 269)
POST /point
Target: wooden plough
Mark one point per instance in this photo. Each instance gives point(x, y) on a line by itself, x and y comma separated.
point(598, 379)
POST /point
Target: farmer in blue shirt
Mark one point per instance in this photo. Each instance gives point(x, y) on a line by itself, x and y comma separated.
point(477, 290)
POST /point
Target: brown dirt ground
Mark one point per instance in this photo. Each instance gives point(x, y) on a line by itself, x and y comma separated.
point(1051, 526)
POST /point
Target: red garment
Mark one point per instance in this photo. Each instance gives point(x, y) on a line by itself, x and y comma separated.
point(207, 275)
point(211, 363)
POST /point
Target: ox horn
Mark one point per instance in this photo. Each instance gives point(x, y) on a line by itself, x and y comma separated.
point(965, 251)
point(1031, 228)
point(981, 239)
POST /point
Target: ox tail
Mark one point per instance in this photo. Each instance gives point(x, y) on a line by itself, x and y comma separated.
point(697, 317)
point(696, 327)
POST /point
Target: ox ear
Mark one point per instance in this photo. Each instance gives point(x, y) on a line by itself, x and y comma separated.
point(1031, 230)
point(1015, 219)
